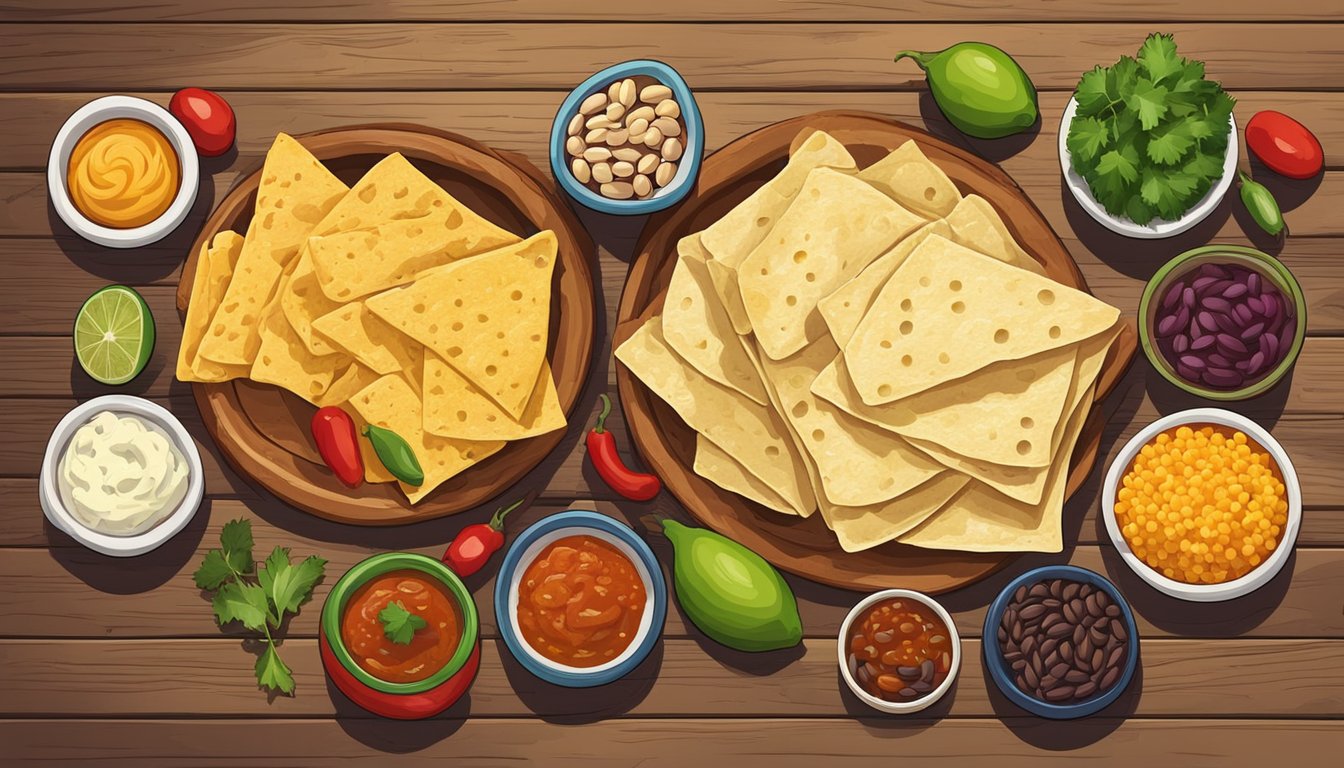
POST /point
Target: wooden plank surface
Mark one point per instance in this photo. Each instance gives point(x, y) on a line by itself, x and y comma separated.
point(841, 56)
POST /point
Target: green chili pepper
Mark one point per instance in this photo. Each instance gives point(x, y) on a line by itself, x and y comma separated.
point(1260, 202)
point(396, 454)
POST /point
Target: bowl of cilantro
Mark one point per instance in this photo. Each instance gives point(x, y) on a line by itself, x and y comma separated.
point(1148, 146)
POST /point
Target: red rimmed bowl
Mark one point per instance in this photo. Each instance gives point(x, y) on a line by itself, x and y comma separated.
point(400, 700)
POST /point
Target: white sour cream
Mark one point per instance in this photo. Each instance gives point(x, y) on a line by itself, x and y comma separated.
point(121, 475)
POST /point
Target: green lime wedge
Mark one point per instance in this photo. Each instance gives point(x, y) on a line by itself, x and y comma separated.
point(114, 335)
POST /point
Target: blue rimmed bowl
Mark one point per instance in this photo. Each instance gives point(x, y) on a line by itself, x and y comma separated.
point(1002, 674)
point(688, 167)
point(525, 549)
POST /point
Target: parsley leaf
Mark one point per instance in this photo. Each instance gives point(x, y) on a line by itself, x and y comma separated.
point(1158, 56)
point(1149, 100)
point(242, 602)
point(272, 672)
point(1169, 143)
point(236, 539)
point(1087, 137)
point(288, 586)
point(213, 572)
point(1091, 93)
point(399, 624)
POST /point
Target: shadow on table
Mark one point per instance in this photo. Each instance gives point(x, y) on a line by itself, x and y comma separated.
point(1264, 410)
point(576, 706)
point(113, 575)
point(397, 736)
point(1066, 735)
point(993, 150)
point(903, 724)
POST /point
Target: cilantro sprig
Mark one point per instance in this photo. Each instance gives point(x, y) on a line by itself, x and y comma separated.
point(399, 624)
point(280, 588)
point(1150, 133)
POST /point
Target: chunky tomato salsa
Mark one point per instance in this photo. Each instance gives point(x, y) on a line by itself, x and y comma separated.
point(431, 645)
point(580, 602)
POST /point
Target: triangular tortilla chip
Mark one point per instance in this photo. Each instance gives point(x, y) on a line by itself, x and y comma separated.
point(715, 465)
point(976, 225)
point(730, 239)
point(487, 316)
point(303, 302)
point(910, 178)
point(949, 311)
point(860, 528)
point(394, 224)
point(346, 384)
point(697, 326)
point(835, 227)
point(296, 191)
point(214, 269)
point(456, 408)
point(283, 360)
point(750, 433)
point(356, 331)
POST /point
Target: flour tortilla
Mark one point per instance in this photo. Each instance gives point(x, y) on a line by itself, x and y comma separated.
point(751, 433)
point(730, 239)
point(698, 328)
point(214, 269)
point(976, 225)
point(949, 311)
point(860, 528)
point(910, 178)
point(835, 227)
point(715, 465)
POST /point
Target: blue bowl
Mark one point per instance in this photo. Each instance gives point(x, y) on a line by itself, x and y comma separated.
point(688, 167)
point(1001, 673)
point(526, 548)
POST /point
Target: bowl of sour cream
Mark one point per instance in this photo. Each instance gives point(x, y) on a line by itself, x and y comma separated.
point(120, 475)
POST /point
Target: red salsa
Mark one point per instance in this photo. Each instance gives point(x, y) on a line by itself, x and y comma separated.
point(899, 650)
point(430, 648)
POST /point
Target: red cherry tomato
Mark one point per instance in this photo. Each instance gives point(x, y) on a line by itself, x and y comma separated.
point(1284, 145)
point(207, 117)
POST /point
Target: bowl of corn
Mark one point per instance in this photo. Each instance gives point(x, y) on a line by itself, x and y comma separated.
point(1203, 505)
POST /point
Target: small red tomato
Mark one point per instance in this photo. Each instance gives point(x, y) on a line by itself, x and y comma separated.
point(1284, 145)
point(207, 117)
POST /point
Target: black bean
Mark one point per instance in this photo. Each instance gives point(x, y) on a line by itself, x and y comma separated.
point(1019, 665)
point(1059, 630)
point(1052, 602)
point(1071, 590)
point(1109, 678)
point(1030, 676)
point(1059, 669)
point(908, 693)
point(1048, 648)
point(1070, 613)
point(1028, 644)
point(912, 673)
point(1086, 590)
point(1098, 637)
point(1020, 594)
point(1085, 647)
point(1056, 588)
point(1117, 653)
point(1059, 694)
point(1113, 611)
point(1049, 681)
point(1085, 690)
point(1076, 676)
point(1118, 629)
point(1079, 632)
point(1066, 651)
point(1032, 612)
point(1016, 633)
point(1098, 659)
point(922, 687)
point(1036, 663)
point(1050, 621)
point(926, 670)
point(1039, 590)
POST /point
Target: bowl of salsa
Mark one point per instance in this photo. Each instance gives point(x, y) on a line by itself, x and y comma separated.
point(899, 651)
point(580, 599)
point(401, 636)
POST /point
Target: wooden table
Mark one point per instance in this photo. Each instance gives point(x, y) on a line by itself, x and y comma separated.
point(120, 661)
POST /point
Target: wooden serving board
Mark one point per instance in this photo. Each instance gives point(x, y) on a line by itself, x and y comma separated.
point(805, 546)
point(263, 431)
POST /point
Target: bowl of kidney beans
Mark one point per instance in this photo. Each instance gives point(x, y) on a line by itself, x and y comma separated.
point(1223, 322)
point(1061, 642)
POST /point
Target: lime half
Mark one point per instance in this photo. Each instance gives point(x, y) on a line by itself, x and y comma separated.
point(114, 335)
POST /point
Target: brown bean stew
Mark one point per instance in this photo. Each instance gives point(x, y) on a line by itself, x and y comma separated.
point(1065, 641)
point(899, 650)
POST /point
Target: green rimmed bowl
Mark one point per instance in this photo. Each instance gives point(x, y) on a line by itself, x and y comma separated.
point(404, 701)
point(1269, 268)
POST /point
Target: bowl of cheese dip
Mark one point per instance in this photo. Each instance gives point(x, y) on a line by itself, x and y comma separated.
point(122, 172)
point(120, 475)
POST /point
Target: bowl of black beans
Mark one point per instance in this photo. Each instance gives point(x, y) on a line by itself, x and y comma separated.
point(1223, 322)
point(1060, 642)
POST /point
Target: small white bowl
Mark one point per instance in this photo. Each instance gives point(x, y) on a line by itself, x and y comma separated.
point(1205, 593)
point(1157, 228)
point(100, 111)
point(119, 546)
point(899, 707)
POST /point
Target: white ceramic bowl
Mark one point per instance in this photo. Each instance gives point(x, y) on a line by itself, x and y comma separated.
point(100, 111)
point(898, 707)
point(1157, 228)
point(1206, 593)
point(119, 546)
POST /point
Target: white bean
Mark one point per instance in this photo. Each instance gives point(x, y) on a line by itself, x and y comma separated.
point(592, 104)
point(614, 91)
point(575, 125)
point(668, 126)
point(602, 173)
point(618, 190)
point(668, 108)
point(642, 113)
point(617, 137)
point(596, 154)
point(628, 154)
point(652, 94)
point(615, 112)
point(598, 121)
point(665, 173)
point(596, 136)
point(672, 149)
point(637, 126)
point(574, 146)
point(653, 137)
point(647, 164)
point(581, 170)
point(627, 92)
point(643, 187)
point(623, 169)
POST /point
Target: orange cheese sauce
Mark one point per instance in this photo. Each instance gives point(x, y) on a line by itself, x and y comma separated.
point(430, 648)
point(123, 174)
point(580, 602)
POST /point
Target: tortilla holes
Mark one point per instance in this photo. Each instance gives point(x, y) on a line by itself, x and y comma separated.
point(482, 318)
point(457, 302)
point(944, 358)
point(1023, 447)
point(958, 307)
point(955, 285)
point(885, 344)
point(907, 361)
point(800, 409)
point(461, 415)
point(810, 277)
point(368, 193)
point(763, 222)
point(457, 326)
point(771, 450)
point(791, 300)
point(884, 390)
point(906, 305)
point(924, 281)
point(818, 435)
point(799, 257)
point(907, 327)
point(702, 344)
point(1046, 297)
point(418, 309)
point(1055, 331)
point(687, 302)
point(491, 370)
point(930, 193)
point(1027, 422)
point(1001, 336)
point(454, 351)
point(433, 327)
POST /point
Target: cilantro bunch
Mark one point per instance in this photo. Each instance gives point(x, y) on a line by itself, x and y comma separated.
point(280, 588)
point(1151, 133)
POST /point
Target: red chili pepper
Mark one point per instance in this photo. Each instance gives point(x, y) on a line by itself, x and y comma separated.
point(337, 442)
point(637, 486)
point(476, 543)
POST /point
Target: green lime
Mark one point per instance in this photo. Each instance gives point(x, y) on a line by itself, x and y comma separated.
point(114, 335)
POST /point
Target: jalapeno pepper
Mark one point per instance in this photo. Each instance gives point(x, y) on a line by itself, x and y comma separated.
point(338, 444)
point(636, 486)
point(396, 454)
point(1262, 206)
point(474, 544)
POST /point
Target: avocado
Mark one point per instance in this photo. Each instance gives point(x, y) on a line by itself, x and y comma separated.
point(981, 90)
point(731, 593)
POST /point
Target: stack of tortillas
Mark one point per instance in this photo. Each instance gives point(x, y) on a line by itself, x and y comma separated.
point(872, 344)
point(390, 299)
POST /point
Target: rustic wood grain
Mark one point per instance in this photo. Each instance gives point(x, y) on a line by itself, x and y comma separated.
point(158, 678)
point(844, 56)
point(687, 10)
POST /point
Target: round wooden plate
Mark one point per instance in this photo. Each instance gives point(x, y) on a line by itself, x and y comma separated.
point(263, 430)
point(805, 546)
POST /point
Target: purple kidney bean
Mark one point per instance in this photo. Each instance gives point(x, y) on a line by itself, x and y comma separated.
point(1186, 372)
point(1243, 314)
point(1168, 325)
point(1235, 291)
point(1188, 297)
point(1206, 321)
point(1256, 362)
point(1172, 298)
point(1250, 332)
point(1180, 342)
point(1253, 282)
point(1271, 303)
point(1193, 361)
point(1269, 344)
point(1217, 304)
point(1222, 378)
point(1231, 344)
point(1256, 305)
point(1203, 342)
point(1202, 283)
point(1286, 333)
point(1217, 359)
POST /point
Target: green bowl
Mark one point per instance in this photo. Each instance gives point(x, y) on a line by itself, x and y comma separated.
point(334, 608)
point(1268, 267)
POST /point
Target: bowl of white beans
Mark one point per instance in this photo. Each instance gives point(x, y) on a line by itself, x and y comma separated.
point(628, 140)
